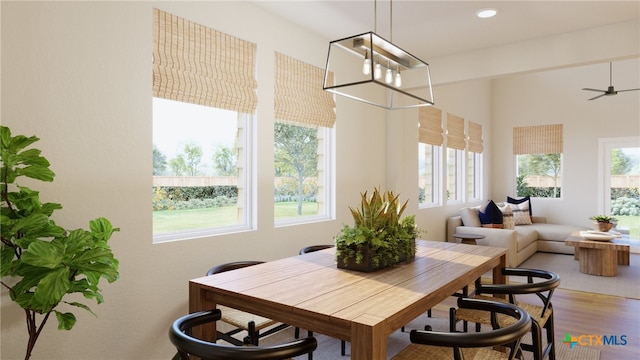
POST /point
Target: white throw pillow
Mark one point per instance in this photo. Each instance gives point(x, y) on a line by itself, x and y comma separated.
point(508, 222)
point(470, 217)
point(521, 213)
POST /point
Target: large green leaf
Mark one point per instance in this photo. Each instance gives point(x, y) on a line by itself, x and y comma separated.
point(102, 228)
point(66, 321)
point(52, 288)
point(43, 254)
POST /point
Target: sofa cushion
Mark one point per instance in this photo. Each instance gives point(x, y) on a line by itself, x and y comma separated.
point(470, 217)
point(554, 232)
point(491, 216)
point(508, 222)
point(525, 236)
point(521, 213)
point(524, 200)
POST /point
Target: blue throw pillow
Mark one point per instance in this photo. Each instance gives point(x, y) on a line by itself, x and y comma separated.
point(490, 215)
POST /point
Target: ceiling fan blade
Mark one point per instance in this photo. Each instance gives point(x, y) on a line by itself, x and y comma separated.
point(594, 89)
point(593, 98)
point(628, 90)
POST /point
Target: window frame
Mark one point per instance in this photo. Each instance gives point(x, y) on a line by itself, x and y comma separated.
point(436, 176)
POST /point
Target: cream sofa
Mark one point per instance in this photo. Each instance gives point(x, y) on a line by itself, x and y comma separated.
point(523, 241)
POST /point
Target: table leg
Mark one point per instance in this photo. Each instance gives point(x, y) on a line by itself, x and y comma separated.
point(601, 262)
point(623, 257)
point(368, 341)
point(199, 299)
point(498, 276)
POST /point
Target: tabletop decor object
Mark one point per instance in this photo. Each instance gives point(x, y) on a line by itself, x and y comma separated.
point(43, 262)
point(380, 237)
point(603, 222)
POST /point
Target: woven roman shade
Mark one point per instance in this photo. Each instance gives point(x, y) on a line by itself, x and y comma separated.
point(430, 130)
point(195, 64)
point(455, 132)
point(540, 139)
point(299, 97)
point(474, 133)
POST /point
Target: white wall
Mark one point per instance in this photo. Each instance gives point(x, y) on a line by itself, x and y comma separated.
point(555, 97)
point(78, 75)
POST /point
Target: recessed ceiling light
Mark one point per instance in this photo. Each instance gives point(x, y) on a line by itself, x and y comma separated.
point(486, 13)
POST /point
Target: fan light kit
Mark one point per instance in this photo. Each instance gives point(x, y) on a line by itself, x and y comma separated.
point(610, 90)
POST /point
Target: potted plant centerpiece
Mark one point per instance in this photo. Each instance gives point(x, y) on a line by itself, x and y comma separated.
point(43, 262)
point(380, 237)
point(603, 222)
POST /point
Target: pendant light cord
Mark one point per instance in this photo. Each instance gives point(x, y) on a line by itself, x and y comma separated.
point(391, 21)
point(375, 16)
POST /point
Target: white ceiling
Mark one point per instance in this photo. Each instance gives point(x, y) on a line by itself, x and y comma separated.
point(430, 29)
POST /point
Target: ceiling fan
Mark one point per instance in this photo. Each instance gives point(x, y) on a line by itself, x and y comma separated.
point(610, 90)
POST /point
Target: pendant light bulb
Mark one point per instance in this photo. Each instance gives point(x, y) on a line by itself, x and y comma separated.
point(388, 78)
point(398, 77)
point(377, 72)
point(366, 66)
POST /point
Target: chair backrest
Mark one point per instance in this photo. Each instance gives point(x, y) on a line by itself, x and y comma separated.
point(542, 288)
point(180, 336)
point(232, 266)
point(313, 248)
point(508, 336)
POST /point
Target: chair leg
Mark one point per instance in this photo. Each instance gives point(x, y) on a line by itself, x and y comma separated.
point(253, 333)
point(536, 341)
point(551, 337)
point(343, 347)
point(296, 333)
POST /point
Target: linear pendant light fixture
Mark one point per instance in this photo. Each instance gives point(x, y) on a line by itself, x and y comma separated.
point(370, 69)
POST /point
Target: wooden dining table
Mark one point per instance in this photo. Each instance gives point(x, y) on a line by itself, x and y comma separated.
point(310, 292)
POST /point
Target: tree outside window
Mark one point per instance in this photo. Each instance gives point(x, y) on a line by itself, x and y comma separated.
point(539, 175)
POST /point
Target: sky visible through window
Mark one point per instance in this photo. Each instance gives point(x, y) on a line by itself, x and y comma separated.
point(176, 124)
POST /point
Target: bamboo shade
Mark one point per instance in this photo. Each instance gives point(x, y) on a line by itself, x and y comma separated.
point(195, 64)
point(299, 97)
point(430, 130)
point(455, 132)
point(474, 132)
point(540, 139)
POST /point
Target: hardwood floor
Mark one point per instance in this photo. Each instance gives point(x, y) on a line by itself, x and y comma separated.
point(581, 313)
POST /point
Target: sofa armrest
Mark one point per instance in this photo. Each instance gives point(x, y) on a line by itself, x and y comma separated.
point(452, 223)
point(504, 238)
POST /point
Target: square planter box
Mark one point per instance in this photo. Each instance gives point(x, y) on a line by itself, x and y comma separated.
point(367, 264)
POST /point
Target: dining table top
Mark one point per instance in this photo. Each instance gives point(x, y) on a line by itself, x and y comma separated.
point(310, 292)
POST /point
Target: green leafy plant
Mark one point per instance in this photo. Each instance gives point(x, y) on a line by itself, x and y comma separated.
point(41, 261)
point(603, 218)
point(379, 232)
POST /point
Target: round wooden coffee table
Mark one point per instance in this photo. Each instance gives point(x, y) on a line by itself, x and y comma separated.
point(469, 239)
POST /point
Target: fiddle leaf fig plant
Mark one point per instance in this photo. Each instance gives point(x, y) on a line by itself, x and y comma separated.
point(43, 262)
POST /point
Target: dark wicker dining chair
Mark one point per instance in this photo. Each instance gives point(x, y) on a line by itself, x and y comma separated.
point(434, 345)
point(180, 336)
point(542, 283)
point(243, 321)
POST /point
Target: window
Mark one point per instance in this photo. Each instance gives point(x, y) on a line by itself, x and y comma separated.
point(474, 176)
point(474, 161)
point(429, 155)
point(303, 143)
point(620, 182)
point(202, 130)
point(455, 158)
point(538, 151)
